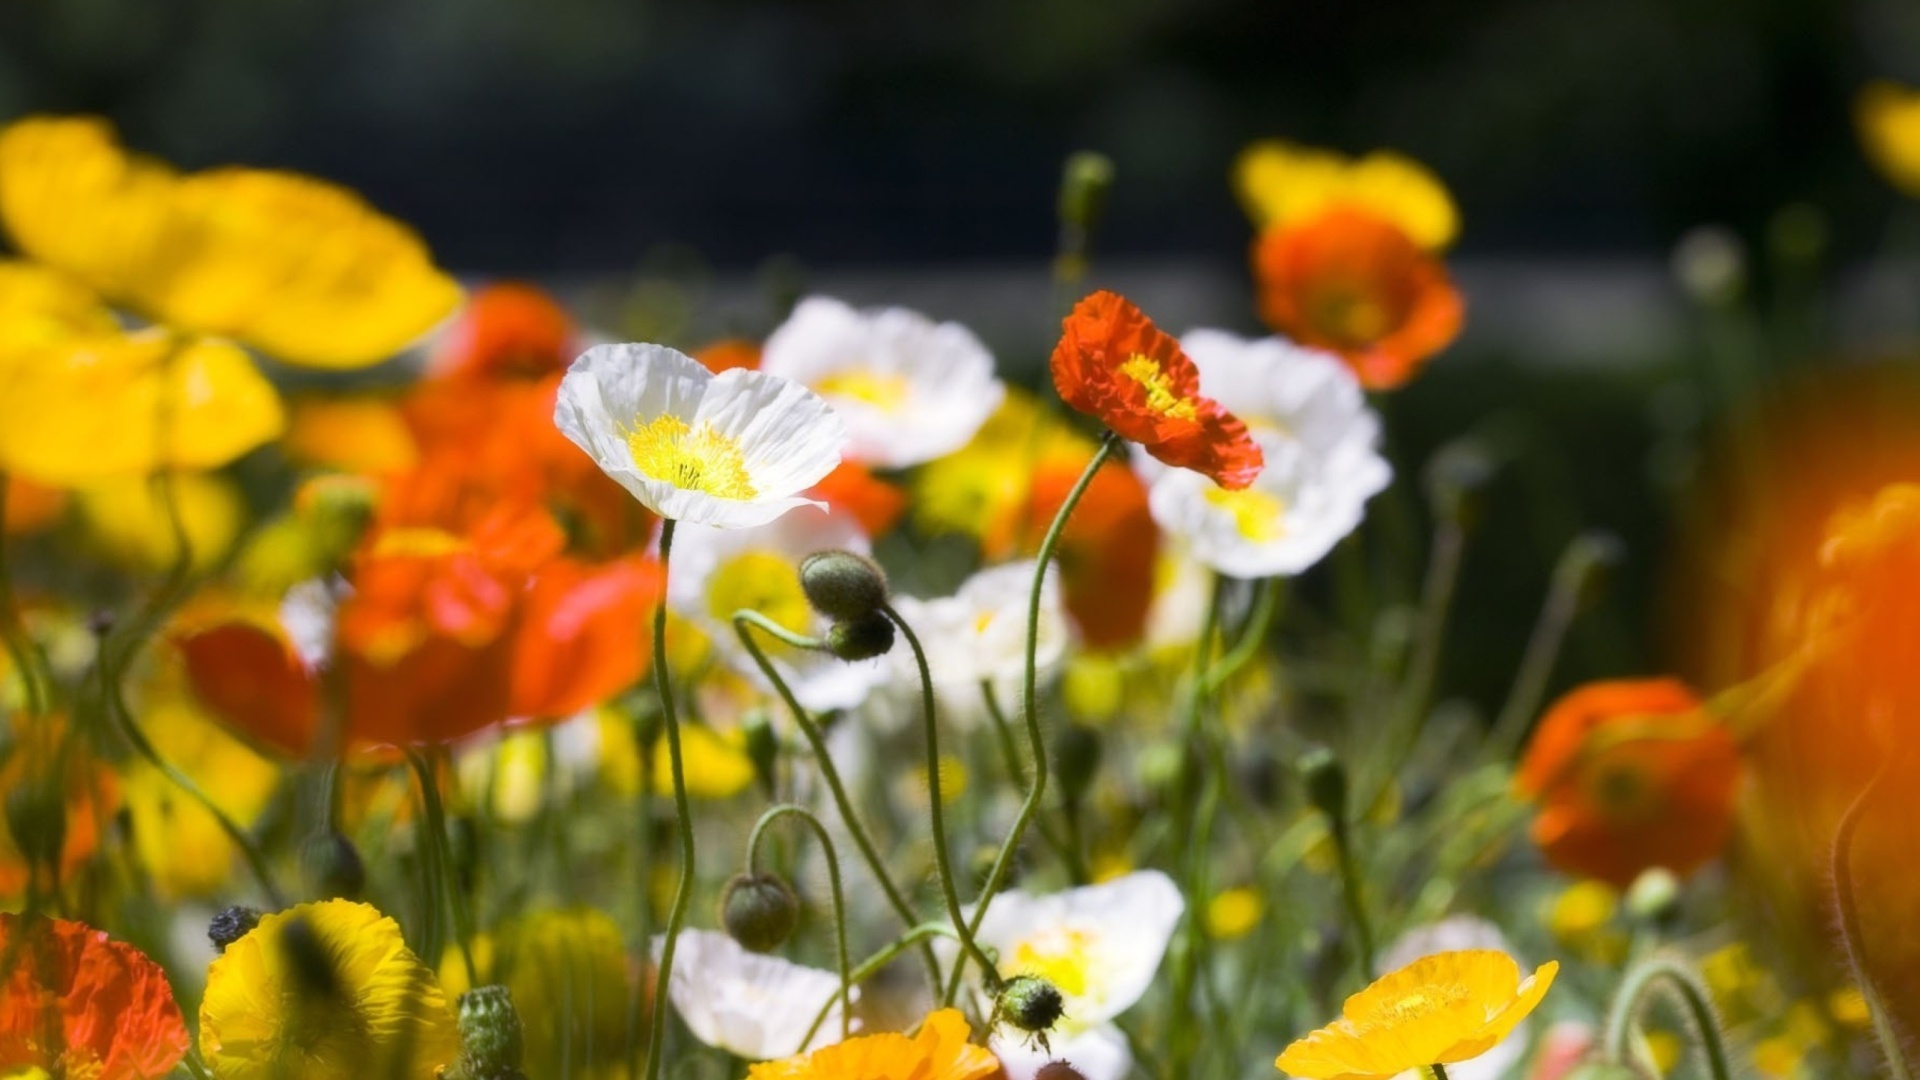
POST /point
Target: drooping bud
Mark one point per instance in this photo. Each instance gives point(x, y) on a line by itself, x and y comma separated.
point(1654, 896)
point(1076, 753)
point(332, 867)
point(763, 747)
point(491, 1037)
point(759, 911)
point(864, 638)
point(1085, 181)
point(1325, 780)
point(1030, 1004)
point(231, 924)
point(843, 586)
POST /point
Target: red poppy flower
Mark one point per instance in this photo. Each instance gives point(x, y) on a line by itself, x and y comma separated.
point(507, 329)
point(1355, 285)
point(251, 677)
point(1107, 549)
point(1629, 775)
point(76, 1004)
point(852, 489)
point(1113, 364)
point(585, 635)
point(729, 353)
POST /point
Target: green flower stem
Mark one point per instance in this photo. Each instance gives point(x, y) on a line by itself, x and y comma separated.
point(1267, 594)
point(26, 656)
point(115, 708)
point(1187, 819)
point(1416, 688)
point(917, 935)
point(1587, 553)
point(1694, 999)
point(1438, 1070)
point(1356, 904)
point(1067, 847)
point(742, 621)
point(1029, 702)
point(440, 862)
point(683, 812)
point(942, 858)
point(774, 813)
point(1851, 936)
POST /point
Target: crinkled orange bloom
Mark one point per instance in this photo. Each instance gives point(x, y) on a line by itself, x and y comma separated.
point(1443, 1009)
point(296, 267)
point(81, 1006)
point(77, 794)
point(508, 329)
point(1355, 284)
point(1887, 115)
point(939, 1052)
point(1630, 774)
point(1113, 364)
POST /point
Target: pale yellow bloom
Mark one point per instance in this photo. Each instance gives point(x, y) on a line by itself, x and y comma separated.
point(1888, 117)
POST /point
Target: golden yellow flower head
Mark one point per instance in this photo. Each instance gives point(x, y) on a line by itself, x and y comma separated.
point(1280, 183)
point(299, 268)
point(1444, 1008)
point(1888, 117)
point(939, 1052)
point(323, 991)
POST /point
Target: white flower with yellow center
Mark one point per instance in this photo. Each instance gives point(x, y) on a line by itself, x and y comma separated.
point(1311, 420)
point(1100, 945)
point(910, 389)
point(717, 572)
point(977, 635)
point(732, 450)
point(1451, 934)
point(752, 1005)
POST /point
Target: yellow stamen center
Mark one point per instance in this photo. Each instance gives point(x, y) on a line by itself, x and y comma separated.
point(1258, 516)
point(1059, 955)
point(695, 459)
point(1146, 371)
point(884, 391)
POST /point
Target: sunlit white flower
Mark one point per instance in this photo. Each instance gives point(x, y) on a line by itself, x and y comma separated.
point(1311, 420)
point(732, 450)
point(717, 572)
point(1452, 934)
point(1100, 945)
point(978, 635)
point(910, 389)
point(754, 1006)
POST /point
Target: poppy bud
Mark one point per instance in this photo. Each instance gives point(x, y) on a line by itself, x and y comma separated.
point(232, 924)
point(1077, 757)
point(1710, 263)
point(332, 866)
point(1031, 1004)
point(863, 638)
point(763, 747)
point(1059, 1070)
point(1456, 480)
point(759, 911)
point(843, 586)
point(335, 509)
point(1654, 896)
point(1085, 181)
point(37, 818)
point(490, 1035)
point(1326, 782)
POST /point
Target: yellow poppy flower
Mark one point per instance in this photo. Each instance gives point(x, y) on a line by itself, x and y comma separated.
point(1280, 183)
point(1888, 116)
point(939, 1052)
point(39, 306)
point(323, 991)
point(297, 267)
point(1444, 1008)
point(129, 522)
point(181, 843)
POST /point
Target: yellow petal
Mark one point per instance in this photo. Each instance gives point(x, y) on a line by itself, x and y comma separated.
point(72, 198)
point(39, 306)
point(1888, 116)
point(128, 519)
point(97, 407)
point(1280, 183)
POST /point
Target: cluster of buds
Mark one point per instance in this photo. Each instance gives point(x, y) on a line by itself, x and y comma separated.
point(851, 590)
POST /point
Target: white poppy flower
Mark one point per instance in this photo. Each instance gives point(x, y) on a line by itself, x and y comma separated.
point(717, 572)
point(1100, 945)
point(909, 389)
point(732, 450)
point(1451, 934)
point(979, 634)
point(1310, 417)
point(755, 1006)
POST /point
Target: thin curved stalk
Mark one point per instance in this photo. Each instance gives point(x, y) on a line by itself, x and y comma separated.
point(829, 772)
point(683, 811)
point(1694, 999)
point(1851, 937)
point(1570, 576)
point(441, 858)
point(21, 649)
point(1029, 701)
point(768, 817)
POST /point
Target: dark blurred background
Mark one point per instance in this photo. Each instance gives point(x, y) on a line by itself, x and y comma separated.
point(570, 136)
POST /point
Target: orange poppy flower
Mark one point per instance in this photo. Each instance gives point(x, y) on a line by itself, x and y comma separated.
point(939, 1052)
point(251, 678)
point(1354, 284)
point(75, 1004)
point(509, 329)
point(31, 507)
point(1630, 774)
point(873, 502)
point(1113, 364)
point(1107, 549)
point(729, 353)
point(585, 635)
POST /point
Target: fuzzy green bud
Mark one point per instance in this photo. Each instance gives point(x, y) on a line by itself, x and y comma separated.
point(759, 911)
point(1085, 180)
point(1076, 752)
point(863, 638)
point(843, 586)
point(231, 924)
point(1325, 780)
point(1059, 1070)
point(1030, 1003)
point(490, 1035)
point(1654, 896)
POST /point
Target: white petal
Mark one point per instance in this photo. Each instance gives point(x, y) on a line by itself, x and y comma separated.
point(1098, 1053)
point(758, 1007)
